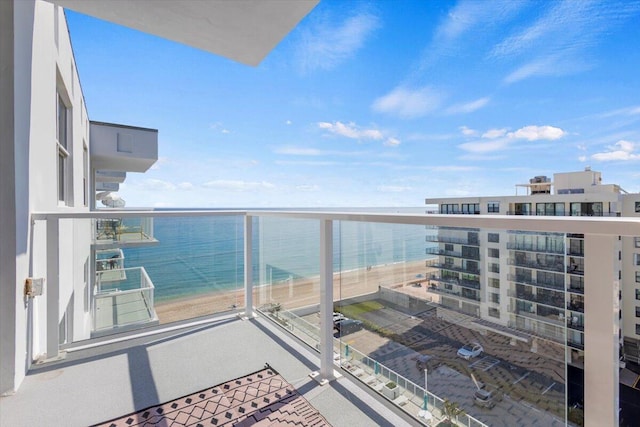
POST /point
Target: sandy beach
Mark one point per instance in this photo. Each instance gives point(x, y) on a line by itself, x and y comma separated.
point(295, 293)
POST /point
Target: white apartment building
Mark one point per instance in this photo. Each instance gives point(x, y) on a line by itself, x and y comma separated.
point(534, 282)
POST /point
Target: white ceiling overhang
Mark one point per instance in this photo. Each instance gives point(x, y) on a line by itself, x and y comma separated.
point(241, 30)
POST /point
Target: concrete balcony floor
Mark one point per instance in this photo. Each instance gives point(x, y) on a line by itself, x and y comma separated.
point(93, 384)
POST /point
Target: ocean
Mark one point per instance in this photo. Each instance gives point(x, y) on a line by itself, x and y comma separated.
point(198, 255)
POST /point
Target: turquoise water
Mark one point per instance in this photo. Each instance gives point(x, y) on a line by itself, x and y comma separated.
point(205, 254)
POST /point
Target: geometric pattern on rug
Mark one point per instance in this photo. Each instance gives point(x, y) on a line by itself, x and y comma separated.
point(261, 399)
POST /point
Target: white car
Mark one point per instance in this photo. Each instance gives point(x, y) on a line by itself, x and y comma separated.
point(470, 351)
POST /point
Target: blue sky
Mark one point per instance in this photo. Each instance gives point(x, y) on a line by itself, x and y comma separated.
point(378, 103)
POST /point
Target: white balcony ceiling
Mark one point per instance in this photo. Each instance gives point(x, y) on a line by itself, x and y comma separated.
point(241, 30)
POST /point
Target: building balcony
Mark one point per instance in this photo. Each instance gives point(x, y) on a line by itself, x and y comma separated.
point(456, 282)
point(453, 254)
point(454, 240)
point(286, 261)
point(557, 267)
point(457, 268)
point(526, 280)
point(467, 296)
point(559, 249)
point(122, 148)
point(538, 299)
point(117, 232)
point(122, 300)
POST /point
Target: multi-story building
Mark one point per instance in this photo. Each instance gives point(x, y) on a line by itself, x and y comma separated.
point(534, 282)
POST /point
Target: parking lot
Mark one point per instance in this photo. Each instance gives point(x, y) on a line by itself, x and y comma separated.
point(532, 382)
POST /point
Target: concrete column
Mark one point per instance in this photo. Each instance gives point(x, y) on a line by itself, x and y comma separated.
point(601, 326)
point(248, 266)
point(52, 287)
point(326, 300)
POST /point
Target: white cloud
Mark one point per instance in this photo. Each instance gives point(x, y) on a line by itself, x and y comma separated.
point(158, 185)
point(288, 122)
point(556, 43)
point(219, 127)
point(299, 151)
point(582, 159)
point(468, 107)
point(621, 150)
point(484, 147)
point(185, 186)
point(408, 103)
point(393, 188)
point(327, 42)
point(467, 131)
point(499, 139)
point(551, 65)
point(238, 185)
point(392, 142)
point(351, 130)
point(534, 133)
point(494, 133)
point(308, 188)
point(306, 151)
point(627, 111)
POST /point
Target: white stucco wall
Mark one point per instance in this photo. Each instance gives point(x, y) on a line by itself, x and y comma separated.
point(42, 62)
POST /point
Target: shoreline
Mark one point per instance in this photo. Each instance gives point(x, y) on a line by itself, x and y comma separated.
point(295, 294)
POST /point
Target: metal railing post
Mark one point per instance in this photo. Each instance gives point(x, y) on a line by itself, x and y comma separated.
point(248, 266)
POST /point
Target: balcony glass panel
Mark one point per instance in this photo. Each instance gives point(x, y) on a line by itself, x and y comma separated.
point(197, 266)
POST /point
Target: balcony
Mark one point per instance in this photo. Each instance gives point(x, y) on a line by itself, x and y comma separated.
point(123, 148)
point(556, 267)
point(529, 247)
point(457, 268)
point(453, 254)
point(557, 302)
point(117, 232)
point(122, 300)
point(456, 282)
point(527, 280)
point(447, 292)
point(454, 240)
point(287, 261)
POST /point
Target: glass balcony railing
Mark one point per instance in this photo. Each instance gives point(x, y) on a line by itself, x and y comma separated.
point(396, 310)
point(122, 299)
point(123, 231)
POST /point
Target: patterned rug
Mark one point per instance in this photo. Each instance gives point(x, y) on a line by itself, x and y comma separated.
point(262, 398)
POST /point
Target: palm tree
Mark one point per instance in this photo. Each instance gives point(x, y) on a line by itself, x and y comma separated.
point(451, 410)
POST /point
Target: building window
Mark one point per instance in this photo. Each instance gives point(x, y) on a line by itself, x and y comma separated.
point(494, 283)
point(494, 312)
point(550, 209)
point(493, 207)
point(494, 268)
point(522, 209)
point(448, 247)
point(637, 329)
point(637, 278)
point(471, 208)
point(637, 311)
point(64, 147)
point(636, 259)
point(493, 253)
point(495, 298)
point(451, 208)
point(638, 294)
point(636, 242)
point(493, 237)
